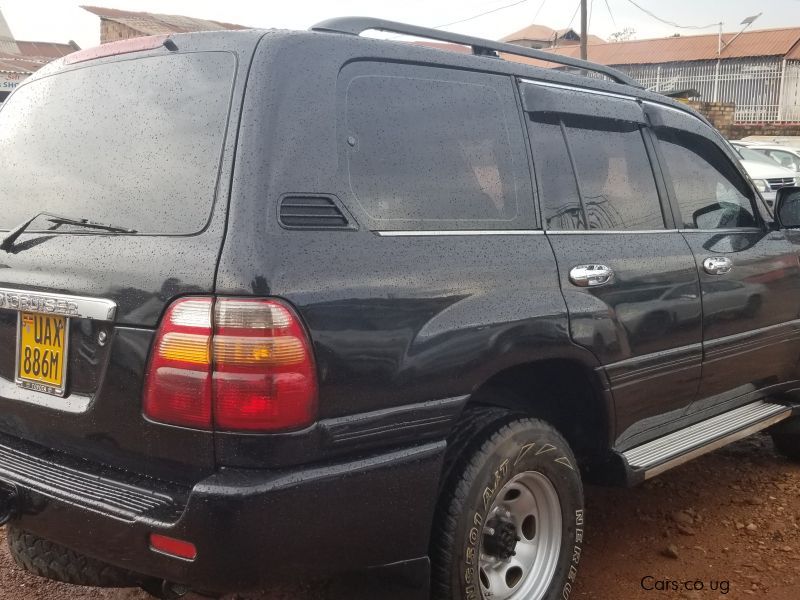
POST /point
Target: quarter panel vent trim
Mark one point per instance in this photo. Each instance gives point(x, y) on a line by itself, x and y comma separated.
point(313, 211)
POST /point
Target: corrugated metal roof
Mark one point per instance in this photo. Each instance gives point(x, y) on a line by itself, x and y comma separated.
point(758, 43)
point(14, 63)
point(590, 39)
point(154, 24)
point(51, 50)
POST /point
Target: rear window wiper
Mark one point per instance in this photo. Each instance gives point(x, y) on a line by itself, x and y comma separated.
point(58, 220)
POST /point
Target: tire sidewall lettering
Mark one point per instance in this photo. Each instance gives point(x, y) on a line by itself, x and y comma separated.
point(527, 457)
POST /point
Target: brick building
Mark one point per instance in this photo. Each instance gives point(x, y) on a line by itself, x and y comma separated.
point(118, 25)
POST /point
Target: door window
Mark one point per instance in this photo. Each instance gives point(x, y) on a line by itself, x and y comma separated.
point(561, 204)
point(614, 173)
point(617, 189)
point(710, 191)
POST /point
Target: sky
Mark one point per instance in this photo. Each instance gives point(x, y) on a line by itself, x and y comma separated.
point(64, 20)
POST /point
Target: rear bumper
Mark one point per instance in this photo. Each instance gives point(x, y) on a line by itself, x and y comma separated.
point(252, 528)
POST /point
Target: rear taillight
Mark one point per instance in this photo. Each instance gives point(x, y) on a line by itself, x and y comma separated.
point(233, 364)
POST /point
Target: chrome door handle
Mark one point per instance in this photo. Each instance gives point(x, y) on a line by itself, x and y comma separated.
point(590, 275)
point(717, 265)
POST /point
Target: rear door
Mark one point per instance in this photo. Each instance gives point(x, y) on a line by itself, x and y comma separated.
point(627, 274)
point(135, 141)
point(749, 273)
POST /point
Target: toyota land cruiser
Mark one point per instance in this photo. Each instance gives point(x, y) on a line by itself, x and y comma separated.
point(280, 305)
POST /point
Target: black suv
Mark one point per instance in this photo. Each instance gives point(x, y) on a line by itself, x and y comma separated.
point(282, 305)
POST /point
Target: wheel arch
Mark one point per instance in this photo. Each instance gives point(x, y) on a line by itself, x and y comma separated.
point(568, 392)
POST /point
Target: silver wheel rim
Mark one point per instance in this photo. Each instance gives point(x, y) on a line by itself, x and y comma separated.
point(530, 503)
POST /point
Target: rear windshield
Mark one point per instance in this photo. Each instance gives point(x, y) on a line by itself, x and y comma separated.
point(134, 143)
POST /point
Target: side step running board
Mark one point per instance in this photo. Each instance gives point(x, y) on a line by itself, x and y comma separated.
point(685, 444)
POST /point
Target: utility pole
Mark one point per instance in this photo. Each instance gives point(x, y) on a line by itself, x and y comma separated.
point(583, 29)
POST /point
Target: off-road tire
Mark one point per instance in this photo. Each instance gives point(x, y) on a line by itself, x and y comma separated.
point(48, 559)
point(498, 446)
point(786, 437)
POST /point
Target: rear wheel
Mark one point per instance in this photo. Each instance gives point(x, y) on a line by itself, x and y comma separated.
point(509, 523)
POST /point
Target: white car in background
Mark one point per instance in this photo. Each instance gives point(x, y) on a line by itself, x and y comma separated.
point(767, 175)
point(785, 156)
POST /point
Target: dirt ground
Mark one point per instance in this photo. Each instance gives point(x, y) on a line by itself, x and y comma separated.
point(726, 526)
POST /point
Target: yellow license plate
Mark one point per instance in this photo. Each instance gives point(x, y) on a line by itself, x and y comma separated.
point(42, 352)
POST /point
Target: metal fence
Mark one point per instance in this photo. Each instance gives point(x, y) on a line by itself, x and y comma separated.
point(763, 90)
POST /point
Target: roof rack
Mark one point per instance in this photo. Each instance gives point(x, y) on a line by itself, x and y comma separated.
point(480, 47)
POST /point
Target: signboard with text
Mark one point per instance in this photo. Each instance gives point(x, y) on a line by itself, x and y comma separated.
point(8, 81)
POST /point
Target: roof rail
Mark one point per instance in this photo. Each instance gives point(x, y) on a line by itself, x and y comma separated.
point(480, 47)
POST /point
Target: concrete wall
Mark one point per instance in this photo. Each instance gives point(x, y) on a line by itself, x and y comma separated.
point(721, 115)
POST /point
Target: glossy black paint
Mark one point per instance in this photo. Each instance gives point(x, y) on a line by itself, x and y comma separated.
point(111, 429)
point(142, 274)
point(293, 521)
point(405, 329)
point(644, 326)
point(750, 315)
point(394, 320)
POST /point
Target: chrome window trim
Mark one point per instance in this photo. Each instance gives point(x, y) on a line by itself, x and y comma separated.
point(452, 232)
point(608, 231)
point(449, 232)
point(630, 231)
point(727, 230)
point(81, 307)
point(674, 109)
point(573, 88)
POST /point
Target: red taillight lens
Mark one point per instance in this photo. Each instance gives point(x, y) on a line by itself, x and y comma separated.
point(173, 546)
point(178, 384)
point(254, 371)
point(264, 376)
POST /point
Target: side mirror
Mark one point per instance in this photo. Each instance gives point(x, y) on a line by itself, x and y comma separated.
point(787, 207)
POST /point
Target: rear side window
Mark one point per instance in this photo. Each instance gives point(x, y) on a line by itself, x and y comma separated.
point(135, 143)
point(614, 173)
point(437, 151)
point(710, 191)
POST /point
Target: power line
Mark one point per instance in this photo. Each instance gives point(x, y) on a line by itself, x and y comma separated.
point(575, 14)
point(611, 14)
point(671, 23)
point(538, 10)
point(488, 12)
